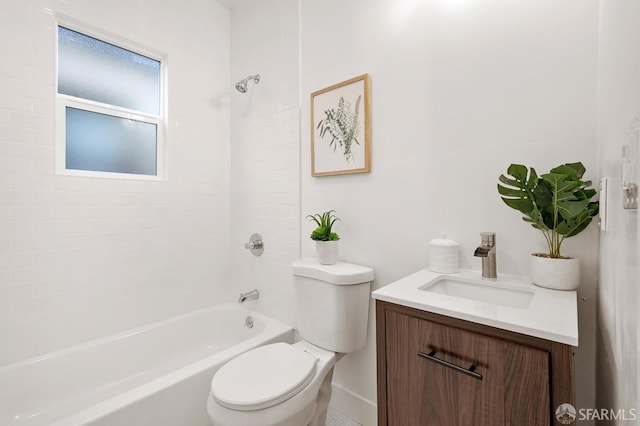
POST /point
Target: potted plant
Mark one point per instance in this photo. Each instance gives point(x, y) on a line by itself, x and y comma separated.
point(326, 240)
point(559, 205)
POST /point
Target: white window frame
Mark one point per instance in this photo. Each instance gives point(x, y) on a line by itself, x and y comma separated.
point(63, 101)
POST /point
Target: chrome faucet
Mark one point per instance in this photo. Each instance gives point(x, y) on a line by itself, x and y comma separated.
point(487, 251)
point(250, 295)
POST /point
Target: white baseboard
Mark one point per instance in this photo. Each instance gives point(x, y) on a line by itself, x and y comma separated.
point(354, 406)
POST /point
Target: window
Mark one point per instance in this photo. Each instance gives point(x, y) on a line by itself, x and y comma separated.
point(109, 109)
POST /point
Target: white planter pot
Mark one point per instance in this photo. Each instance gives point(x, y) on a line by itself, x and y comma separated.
point(327, 252)
point(557, 274)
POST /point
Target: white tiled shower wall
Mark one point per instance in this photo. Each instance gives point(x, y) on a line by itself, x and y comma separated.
point(84, 257)
point(265, 151)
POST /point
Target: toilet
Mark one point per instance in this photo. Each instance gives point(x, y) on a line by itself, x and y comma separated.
point(283, 384)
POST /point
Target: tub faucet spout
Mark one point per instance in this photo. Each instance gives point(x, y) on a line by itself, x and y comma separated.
point(250, 295)
point(487, 251)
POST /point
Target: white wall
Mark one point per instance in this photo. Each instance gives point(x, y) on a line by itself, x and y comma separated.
point(81, 257)
point(460, 89)
point(618, 107)
point(265, 151)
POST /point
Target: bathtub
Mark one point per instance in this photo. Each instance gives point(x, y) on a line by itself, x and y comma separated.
point(157, 375)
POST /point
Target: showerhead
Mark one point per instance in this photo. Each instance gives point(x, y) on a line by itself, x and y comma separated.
point(241, 86)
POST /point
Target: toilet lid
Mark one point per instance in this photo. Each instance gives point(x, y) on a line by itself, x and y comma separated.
point(263, 377)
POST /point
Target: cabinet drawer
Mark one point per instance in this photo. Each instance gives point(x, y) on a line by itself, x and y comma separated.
point(444, 376)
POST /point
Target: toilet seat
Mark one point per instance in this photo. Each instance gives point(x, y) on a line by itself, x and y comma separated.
point(263, 377)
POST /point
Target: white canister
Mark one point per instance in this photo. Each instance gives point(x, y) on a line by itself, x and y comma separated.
point(443, 255)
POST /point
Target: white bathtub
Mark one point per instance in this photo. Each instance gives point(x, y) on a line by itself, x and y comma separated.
point(156, 375)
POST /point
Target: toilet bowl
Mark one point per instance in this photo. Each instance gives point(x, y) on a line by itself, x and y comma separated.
point(255, 389)
point(290, 384)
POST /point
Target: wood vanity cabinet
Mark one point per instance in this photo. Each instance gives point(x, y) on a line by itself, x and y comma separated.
point(435, 370)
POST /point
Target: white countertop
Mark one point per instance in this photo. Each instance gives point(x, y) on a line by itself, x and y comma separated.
point(551, 315)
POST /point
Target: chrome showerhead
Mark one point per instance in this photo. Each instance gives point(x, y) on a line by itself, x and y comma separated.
point(241, 86)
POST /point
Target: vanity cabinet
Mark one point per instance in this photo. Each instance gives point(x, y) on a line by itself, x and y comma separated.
point(435, 370)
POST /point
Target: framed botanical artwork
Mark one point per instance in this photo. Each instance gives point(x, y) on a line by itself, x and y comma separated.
point(341, 128)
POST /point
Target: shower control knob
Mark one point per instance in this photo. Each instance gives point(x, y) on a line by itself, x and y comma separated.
point(255, 244)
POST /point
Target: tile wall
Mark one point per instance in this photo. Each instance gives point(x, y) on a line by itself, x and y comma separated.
point(85, 257)
point(265, 151)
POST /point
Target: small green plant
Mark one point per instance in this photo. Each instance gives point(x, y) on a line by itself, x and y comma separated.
point(557, 203)
point(325, 223)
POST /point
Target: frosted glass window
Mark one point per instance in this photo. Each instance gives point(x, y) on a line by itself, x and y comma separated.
point(106, 143)
point(110, 108)
point(93, 69)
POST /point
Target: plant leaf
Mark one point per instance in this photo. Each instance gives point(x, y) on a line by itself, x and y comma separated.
point(574, 170)
point(543, 195)
point(511, 192)
point(522, 205)
point(510, 182)
point(515, 191)
point(518, 171)
point(575, 225)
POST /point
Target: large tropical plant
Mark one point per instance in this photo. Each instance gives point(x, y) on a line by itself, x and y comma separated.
point(557, 203)
point(325, 222)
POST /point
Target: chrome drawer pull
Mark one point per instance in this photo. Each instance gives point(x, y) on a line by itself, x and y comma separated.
point(471, 371)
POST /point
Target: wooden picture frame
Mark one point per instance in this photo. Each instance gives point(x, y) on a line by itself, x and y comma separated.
point(341, 128)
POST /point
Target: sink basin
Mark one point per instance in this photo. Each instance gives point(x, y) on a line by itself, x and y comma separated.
point(509, 302)
point(491, 292)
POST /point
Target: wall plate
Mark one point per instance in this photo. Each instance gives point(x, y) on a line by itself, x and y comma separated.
point(630, 163)
point(630, 197)
point(602, 215)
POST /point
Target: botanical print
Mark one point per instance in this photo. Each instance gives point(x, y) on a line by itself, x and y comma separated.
point(342, 125)
point(341, 128)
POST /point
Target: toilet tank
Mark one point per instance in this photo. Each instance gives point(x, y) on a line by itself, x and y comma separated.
point(332, 303)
